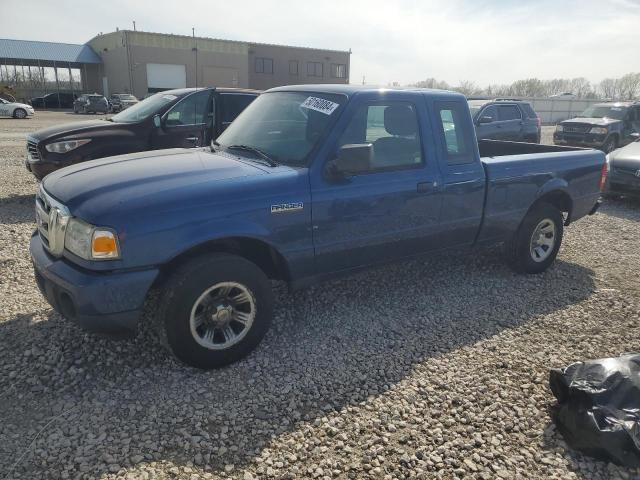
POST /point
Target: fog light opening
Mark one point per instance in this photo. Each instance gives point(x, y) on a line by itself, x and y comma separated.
point(67, 307)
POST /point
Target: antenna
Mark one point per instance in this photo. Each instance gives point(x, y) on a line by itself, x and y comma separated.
point(134, 25)
point(195, 51)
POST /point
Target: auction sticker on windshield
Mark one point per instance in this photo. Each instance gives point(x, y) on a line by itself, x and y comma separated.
point(320, 105)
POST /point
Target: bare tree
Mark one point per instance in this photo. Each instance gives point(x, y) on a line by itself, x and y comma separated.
point(629, 86)
point(468, 88)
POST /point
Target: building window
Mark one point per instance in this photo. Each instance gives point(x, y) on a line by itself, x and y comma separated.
point(264, 65)
point(314, 69)
point(338, 70)
point(293, 67)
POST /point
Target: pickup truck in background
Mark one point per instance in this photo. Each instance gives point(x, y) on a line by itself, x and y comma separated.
point(188, 117)
point(308, 183)
point(605, 126)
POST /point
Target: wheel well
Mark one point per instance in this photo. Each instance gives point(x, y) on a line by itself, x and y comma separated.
point(267, 258)
point(559, 199)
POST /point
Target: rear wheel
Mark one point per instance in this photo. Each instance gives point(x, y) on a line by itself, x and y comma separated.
point(535, 245)
point(610, 145)
point(215, 310)
point(20, 113)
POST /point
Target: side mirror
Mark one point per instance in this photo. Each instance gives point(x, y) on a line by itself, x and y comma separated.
point(352, 159)
point(635, 136)
point(156, 121)
point(485, 119)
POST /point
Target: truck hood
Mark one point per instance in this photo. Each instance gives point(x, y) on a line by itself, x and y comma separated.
point(160, 179)
point(628, 156)
point(74, 128)
point(591, 121)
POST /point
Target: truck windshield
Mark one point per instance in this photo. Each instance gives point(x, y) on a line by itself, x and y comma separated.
point(600, 111)
point(284, 125)
point(143, 109)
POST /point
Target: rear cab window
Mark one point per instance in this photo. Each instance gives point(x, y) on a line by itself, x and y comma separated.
point(232, 104)
point(457, 138)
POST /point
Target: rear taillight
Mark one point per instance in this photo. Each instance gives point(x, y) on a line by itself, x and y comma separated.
point(603, 174)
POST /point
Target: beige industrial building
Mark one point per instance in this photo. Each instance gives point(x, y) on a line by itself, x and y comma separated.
point(143, 62)
point(137, 62)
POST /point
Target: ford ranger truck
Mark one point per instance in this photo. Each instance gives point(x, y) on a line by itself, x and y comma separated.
point(308, 183)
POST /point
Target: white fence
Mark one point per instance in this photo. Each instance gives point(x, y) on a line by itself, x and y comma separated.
point(554, 110)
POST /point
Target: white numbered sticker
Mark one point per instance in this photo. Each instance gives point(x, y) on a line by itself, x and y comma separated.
point(320, 105)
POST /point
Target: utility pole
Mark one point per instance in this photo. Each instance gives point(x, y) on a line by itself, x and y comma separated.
point(134, 25)
point(195, 50)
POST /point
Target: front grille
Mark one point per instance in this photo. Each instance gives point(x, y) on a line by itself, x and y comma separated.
point(32, 149)
point(576, 128)
point(52, 218)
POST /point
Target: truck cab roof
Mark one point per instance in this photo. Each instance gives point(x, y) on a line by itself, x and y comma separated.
point(350, 90)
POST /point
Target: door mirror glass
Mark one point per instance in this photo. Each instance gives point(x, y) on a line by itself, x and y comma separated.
point(352, 159)
point(485, 119)
point(156, 121)
point(635, 135)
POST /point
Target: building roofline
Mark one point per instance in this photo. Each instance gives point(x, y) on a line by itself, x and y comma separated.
point(223, 40)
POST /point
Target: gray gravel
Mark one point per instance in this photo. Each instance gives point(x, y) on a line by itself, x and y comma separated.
point(425, 369)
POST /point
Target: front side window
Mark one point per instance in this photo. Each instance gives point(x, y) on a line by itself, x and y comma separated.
point(393, 130)
point(191, 110)
point(264, 65)
point(456, 133)
point(314, 69)
point(508, 112)
point(491, 112)
point(284, 125)
point(338, 70)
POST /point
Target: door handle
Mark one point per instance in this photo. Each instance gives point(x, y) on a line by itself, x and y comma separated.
point(425, 187)
point(192, 139)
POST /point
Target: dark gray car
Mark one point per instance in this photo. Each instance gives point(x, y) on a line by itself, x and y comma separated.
point(623, 177)
point(504, 119)
point(91, 103)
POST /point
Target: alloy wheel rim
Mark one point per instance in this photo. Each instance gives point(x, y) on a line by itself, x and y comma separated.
point(543, 240)
point(222, 316)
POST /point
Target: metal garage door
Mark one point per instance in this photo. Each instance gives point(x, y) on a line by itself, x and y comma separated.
point(219, 77)
point(161, 75)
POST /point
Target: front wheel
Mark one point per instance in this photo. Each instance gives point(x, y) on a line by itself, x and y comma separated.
point(610, 145)
point(535, 245)
point(215, 310)
point(19, 113)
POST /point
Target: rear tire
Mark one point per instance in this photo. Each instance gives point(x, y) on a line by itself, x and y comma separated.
point(536, 243)
point(215, 310)
point(20, 113)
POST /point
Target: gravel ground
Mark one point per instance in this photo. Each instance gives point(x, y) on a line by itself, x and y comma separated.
point(425, 369)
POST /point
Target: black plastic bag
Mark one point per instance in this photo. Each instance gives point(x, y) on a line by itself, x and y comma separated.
point(598, 411)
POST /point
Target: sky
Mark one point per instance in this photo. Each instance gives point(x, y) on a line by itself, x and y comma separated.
point(404, 41)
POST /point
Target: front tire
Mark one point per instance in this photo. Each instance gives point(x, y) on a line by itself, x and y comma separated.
point(20, 113)
point(535, 245)
point(610, 145)
point(215, 310)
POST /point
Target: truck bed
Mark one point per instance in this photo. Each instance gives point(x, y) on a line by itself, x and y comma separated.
point(499, 148)
point(573, 174)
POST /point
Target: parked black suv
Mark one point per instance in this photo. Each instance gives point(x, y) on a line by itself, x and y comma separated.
point(605, 126)
point(505, 119)
point(54, 100)
point(188, 117)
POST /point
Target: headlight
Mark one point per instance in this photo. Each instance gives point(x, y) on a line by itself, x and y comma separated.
point(598, 130)
point(559, 128)
point(66, 146)
point(90, 242)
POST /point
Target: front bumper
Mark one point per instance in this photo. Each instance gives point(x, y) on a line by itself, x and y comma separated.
point(587, 140)
point(623, 184)
point(101, 302)
point(42, 168)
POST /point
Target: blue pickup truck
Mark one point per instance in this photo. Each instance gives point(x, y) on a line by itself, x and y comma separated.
point(309, 182)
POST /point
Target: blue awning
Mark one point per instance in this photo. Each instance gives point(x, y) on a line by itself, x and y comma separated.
point(47, 51)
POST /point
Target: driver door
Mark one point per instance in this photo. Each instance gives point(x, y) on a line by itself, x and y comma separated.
point(185, 125)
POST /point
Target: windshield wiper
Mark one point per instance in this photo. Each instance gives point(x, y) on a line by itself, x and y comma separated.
point(247, 148)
